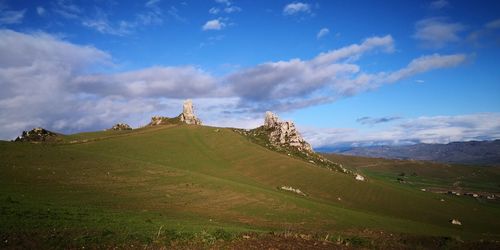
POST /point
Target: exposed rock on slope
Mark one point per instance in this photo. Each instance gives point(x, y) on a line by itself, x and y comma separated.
point(283, 137)
point(36, 135)
point(284, 133)
point(161, 120)
point(121, 126)
point(187, 115)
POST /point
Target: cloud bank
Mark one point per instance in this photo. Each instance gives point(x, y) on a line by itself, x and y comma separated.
point(47, 81)
point(425, 129)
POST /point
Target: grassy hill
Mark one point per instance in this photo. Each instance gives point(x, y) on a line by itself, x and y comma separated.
point(423, 174)
point(167, 184)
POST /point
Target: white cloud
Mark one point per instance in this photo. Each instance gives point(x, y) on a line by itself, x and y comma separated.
point(40, 10)
point(495, 24)
point(214, 10)
point(35, 70)
point(439, 4)
point(232, 9)
point(99, 19)
point(296, 7)
point(376, 120)
point(214, 24)
point(45, 81)
point(152, 3)
point(166, 82)
point(228, 8)
point(364, 82)
point(286, 85)
point(226, 2)
point(425, 129)
point(488, 35)
point(322, 32)
point(437, 32)
point(11, 16)
point(297, 83)
point(67, 9)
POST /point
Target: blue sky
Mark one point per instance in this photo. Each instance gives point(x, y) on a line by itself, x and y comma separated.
point(347, 72)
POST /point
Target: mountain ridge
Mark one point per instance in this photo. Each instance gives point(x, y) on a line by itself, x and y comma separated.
point(468, 152)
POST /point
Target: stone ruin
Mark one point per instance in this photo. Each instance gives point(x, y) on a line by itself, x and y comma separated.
point(284, 133)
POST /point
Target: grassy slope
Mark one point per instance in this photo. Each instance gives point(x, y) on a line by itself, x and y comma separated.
point(192, 178)
point(423, 174)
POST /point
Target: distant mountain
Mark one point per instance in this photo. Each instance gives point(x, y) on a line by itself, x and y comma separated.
point(471, 152)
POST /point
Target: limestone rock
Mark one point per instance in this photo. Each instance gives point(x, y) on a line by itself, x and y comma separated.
point(291, 189)
point(359, 177)
point(121, 126)
point(36, 135)
point(187, 115)
point(284, 133)
point(270, 120)
point(158, 120)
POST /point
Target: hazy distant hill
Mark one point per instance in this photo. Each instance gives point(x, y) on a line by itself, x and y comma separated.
point(472, 152)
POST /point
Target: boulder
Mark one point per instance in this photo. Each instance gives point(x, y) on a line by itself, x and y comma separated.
point(284, 133)
point(187, 115)
point(36, 135)
point(121, 126)
point(455, 222)
point(159, 120)
point(360, 178)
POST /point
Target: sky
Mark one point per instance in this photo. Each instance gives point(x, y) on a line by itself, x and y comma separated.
point(348, 73)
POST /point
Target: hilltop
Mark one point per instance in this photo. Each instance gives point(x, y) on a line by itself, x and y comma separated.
point(192, 186)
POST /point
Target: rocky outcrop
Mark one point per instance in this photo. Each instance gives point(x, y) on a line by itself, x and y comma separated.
point(187, 115)
point(121, 126)
point(36, 135)
point(359, 177)
point(291, 189)
point(284, 133)
point(271, 120)
point(159, 120)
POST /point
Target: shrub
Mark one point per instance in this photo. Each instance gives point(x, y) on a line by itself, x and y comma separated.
point(221, 234)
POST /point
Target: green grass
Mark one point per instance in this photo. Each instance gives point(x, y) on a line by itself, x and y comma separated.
point(421, 174)
point(204, 183)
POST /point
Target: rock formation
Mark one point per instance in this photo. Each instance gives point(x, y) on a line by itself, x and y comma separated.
point(187, 115)
point(284, 133)
point(159, 120)
point(271, 120)
point(121, 126)
point(36, 135)
point(359, 177)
